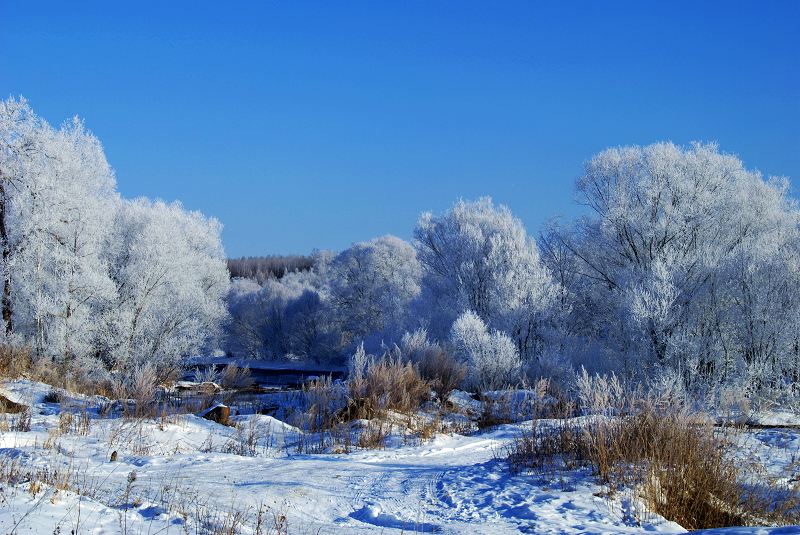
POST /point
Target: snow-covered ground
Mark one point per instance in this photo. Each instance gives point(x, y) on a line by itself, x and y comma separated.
point(183, 474)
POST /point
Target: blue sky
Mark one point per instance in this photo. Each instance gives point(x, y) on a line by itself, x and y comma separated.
point(304, 125)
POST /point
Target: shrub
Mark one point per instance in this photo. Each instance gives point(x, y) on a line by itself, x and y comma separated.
point(493, 359)
point(548, 448)
point(374, 435)
point(323, 401)
point(388, 383)
point(676, 461)
point(140, 385)
point(678, 464)
point(600, 394)
point(443, 371)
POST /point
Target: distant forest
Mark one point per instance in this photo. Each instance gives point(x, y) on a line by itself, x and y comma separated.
point(263, 268)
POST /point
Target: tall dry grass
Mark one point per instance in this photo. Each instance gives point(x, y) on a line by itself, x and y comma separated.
point(380, 385)
point(674, 460)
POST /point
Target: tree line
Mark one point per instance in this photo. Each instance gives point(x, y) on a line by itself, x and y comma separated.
point(262, 268)
point(684, 269)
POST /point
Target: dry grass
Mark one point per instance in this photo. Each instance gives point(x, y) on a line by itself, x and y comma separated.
point(17, 421)
point(232, 377)
point(14, 361)
point(675, 461)
point(679, 466)
point(374, 435)
point(384, 384)
point(378, 389)
point(249, 439)
point(443, 372)
point(74, 420)
point(323, 402)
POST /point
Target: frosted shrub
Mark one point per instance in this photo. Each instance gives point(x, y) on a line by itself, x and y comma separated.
point(666, 388)
point(415, 344)
point(599, 394)
point(492, 357)
point(357, 369)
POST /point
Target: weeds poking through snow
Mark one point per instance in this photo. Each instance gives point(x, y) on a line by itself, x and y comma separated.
point(675, 461)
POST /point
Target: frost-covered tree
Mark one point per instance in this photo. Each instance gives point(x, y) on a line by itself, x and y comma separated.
point(478, 257)
point(372, 285)
point(284, 318)
point(74, 212)
point(87, 276)
point(58, 201)
point(492, 357)
point(22, 162)
point(674, 265)
point(170, 276)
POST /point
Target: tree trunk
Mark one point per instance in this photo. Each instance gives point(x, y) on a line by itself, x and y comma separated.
point(6, 300)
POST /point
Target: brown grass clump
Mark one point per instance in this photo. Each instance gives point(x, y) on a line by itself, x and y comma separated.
point(323, 404)
point(679, 466)
point(385, 384)
point(233, 377)
point(675, 461)
point(374, 435)
point(14, 361)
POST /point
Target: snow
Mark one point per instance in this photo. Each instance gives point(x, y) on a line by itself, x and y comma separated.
point(180, 473)
point(788, 530)
point(775, 417)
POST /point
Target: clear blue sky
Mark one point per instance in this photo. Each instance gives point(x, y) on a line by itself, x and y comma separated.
point(303, 125)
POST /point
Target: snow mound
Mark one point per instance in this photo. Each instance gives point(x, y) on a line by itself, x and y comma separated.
point(373, 514)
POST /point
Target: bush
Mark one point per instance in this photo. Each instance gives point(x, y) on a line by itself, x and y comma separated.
point(443, 371)
point(493, 359)
point(679, 465)
point(600, 394)
point(388, 383)
point(139, 384)
point(323, 401)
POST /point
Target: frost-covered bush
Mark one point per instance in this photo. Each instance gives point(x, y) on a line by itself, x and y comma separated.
point(600, 394)
point(492, 357)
